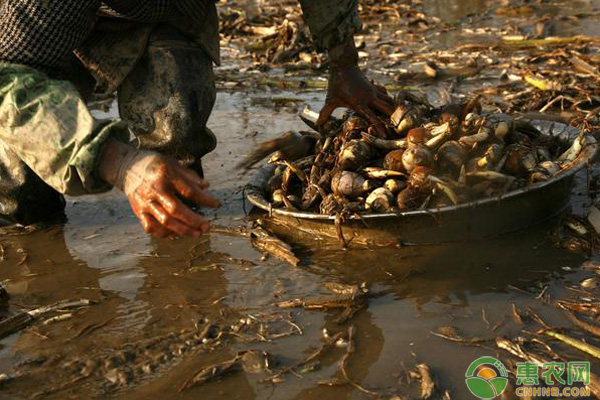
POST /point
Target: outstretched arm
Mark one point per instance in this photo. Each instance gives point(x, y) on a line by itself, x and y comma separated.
point(333, 24)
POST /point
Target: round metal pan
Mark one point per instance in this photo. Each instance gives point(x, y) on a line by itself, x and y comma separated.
point(475, 220)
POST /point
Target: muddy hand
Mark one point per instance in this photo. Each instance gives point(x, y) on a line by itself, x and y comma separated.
point(154, 184)
point(348, 87)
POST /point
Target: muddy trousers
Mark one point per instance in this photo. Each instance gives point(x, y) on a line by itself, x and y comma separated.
point(166, 100)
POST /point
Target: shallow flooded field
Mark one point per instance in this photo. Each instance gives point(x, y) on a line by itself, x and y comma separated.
point(164, 310)
point(146, 288)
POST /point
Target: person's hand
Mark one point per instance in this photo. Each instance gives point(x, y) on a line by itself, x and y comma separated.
point(154, 184)
point(348, 87)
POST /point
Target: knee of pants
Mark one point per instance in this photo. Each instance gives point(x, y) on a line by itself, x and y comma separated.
point(24, 197)
point(168, 97)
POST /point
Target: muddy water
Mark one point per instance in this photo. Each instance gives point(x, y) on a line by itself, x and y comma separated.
point(147, 288)
point(560, 17)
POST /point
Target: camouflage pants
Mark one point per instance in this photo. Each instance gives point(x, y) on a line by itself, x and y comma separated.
point(166, 99)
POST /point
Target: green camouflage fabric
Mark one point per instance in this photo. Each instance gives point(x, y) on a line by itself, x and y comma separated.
point(47, 124)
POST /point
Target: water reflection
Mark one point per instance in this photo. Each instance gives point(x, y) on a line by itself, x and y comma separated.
point(536, 19)
point(96, 237)
point(525, 259)
point(419, 289)
point(450, 11)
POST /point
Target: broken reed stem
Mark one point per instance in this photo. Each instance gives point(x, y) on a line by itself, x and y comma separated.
point(594, 330)
point(549, 41)
point(459, 339)
point(519, 44)
point(344, 360)
point(297, 84)
point(312, 357)
point(23, 319)
point(577, 344)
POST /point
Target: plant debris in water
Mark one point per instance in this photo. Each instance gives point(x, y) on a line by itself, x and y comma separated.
point(569, 343)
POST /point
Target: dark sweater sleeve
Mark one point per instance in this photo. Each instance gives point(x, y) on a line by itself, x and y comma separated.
point(42, 33)
point(331, 21)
